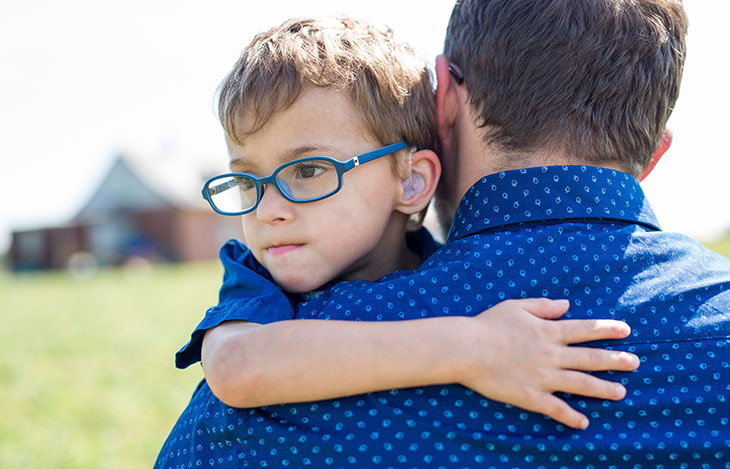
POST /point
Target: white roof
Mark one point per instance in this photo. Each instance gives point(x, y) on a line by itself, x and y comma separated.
point(143, 182)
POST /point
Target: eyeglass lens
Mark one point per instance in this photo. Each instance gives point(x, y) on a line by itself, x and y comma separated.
point(299, 181)
point(232, 194)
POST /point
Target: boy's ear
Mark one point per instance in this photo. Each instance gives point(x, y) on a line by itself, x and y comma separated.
point(663, 147)
point(446, 99)
point(419, 186)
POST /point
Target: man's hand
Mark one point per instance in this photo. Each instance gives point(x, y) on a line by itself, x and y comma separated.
point(520, 358)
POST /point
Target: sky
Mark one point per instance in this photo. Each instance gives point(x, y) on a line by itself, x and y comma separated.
point(83, 80)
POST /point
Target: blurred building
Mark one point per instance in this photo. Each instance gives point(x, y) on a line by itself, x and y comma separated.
point(144, 208)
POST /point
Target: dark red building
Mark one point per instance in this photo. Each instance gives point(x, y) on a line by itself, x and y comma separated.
point(143, 208)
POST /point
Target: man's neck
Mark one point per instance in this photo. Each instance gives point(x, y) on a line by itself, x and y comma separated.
point(477, 159)
point(466, 158)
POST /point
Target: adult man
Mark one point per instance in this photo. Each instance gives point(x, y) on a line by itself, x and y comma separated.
point(534, 84)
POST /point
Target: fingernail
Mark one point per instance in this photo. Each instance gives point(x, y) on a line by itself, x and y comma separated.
point(562, 303)
point(584, 423)
point(619, 391)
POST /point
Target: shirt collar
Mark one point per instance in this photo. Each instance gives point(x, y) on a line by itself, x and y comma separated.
point(420, 241)
point(550, 194)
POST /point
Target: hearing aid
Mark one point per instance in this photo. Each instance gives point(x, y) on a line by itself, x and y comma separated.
point(414, 184)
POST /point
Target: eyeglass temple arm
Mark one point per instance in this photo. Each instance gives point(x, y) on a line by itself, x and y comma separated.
point(371, 155)
point(217, 189)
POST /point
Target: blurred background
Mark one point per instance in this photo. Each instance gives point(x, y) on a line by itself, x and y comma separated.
point(107, 130)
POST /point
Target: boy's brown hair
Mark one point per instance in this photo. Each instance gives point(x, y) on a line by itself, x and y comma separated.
point(389, 86)
point(595, 79)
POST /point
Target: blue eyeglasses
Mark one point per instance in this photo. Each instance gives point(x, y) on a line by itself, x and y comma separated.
point(301, 181)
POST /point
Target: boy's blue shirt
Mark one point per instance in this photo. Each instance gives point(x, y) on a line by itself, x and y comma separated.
point(576, 232)
point(249, 293)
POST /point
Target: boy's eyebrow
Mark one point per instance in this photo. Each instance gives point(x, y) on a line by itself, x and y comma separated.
point(293, 153)
point(296, 152)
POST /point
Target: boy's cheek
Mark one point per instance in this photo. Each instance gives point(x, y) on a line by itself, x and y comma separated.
point(243, 231)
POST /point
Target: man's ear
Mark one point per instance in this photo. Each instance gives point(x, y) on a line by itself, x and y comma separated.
point(419, 186)
point(663, 147)
point(446, 99)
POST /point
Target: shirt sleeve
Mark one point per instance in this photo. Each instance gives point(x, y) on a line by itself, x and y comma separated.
point(248, 293)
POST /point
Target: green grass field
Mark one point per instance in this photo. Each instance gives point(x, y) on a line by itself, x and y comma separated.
point(721, 245)
point(87, 378)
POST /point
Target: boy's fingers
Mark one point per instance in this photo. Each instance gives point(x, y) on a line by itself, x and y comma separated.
point(574, 331)
point(595, 359)
point(583, 384)
point(544, 402)
point(544, 308)
point(560, 411)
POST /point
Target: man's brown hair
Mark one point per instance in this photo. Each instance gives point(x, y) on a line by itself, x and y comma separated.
point(389, 86)
point(595, 79)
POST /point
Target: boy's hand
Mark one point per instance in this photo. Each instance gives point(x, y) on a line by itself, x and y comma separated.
point(529, 358)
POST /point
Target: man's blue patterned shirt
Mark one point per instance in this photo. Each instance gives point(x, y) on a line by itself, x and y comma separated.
point(576, 232)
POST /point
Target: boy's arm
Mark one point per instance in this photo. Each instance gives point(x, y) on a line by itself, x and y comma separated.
point(508, 353)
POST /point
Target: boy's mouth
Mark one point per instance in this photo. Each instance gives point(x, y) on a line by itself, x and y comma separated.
point(282, 249)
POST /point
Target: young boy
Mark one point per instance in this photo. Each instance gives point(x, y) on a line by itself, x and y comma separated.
point(330, 129)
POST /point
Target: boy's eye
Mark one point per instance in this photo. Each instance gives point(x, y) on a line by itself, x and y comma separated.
point(310, 170)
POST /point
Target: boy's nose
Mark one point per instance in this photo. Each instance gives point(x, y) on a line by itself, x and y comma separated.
point(273, 207)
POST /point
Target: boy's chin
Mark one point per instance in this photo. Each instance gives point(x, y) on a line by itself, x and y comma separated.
point(298, 285)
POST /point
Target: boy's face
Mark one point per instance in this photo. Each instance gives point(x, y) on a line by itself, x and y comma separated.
point(356, 234)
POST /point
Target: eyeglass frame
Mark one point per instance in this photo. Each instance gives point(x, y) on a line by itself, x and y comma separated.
point(340, 166)
point(456, 73)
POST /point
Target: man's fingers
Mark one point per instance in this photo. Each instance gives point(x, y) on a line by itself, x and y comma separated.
point(574, 331)
point(583, 384)
point(595, 359)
